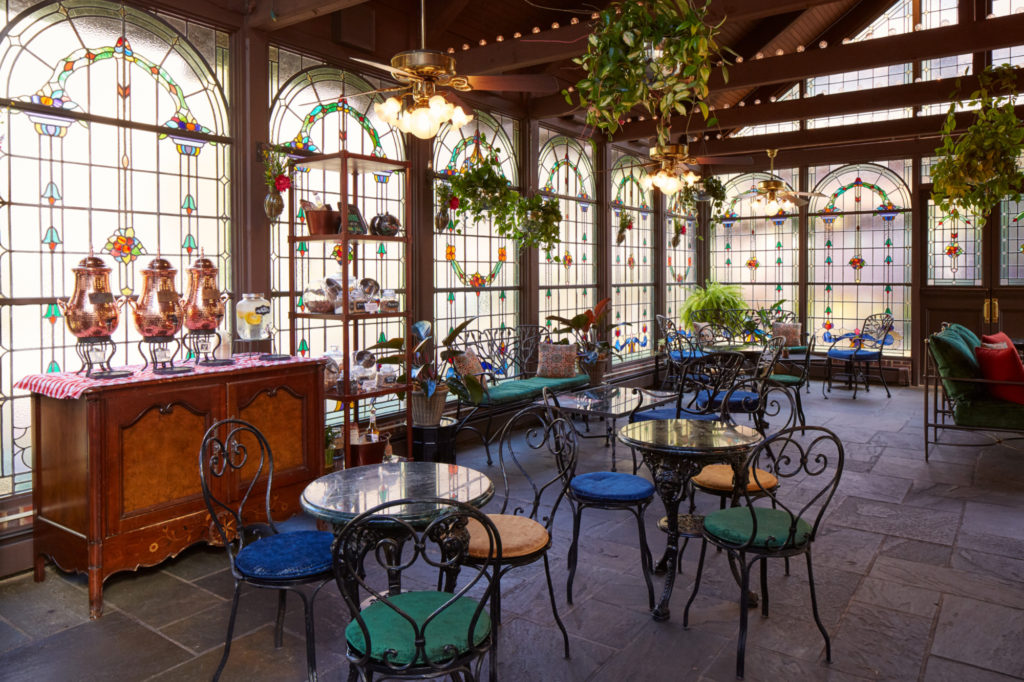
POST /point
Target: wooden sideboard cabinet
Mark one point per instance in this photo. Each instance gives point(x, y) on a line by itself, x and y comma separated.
point(116, 471)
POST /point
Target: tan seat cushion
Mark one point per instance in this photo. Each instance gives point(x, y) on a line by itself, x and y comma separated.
point(519, 535)
point(719, 477)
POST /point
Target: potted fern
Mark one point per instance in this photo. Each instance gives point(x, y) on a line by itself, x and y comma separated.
point(713, 296)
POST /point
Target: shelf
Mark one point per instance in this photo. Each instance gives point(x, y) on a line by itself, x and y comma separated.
point(334, 394)
point(357, 163)
point(341, 236)
point(348, 316)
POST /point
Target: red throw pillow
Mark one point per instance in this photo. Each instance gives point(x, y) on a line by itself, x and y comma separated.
point(1000, 362)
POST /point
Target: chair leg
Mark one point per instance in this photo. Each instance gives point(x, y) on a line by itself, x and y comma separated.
point(741, 645)
point(827, 383)
point(573, 552)
point(800, 408)
point(764, 587)
point(279, 624)
point(554, 607)
point(696, 582)
point(881, 375)
point(814, 608)
point(307, 606)
point(679, 555)
point(852, 368)
point(231, 633)
point(646, 562)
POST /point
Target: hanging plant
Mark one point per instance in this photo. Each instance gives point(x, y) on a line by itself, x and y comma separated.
point(483, 191)
point(709, 189)
point(978, 168)
point(657, 55)
point(625, 224)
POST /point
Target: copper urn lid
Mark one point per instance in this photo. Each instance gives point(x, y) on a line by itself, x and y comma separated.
point(158, 310)
point(203, 303)
point(91, 311)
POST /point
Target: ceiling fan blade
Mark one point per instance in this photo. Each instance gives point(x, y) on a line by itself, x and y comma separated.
point(649, 164)
point(515, 83)
point(809, 194)
point(368, 93)
point(385, 67)
point(794, 199)
point(725, 160)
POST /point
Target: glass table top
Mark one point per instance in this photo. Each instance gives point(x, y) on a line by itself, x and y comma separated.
point(611, 401)
point(342, 495)
point(688, 436)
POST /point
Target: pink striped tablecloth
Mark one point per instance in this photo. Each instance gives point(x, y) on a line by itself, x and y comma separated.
point(69, 385)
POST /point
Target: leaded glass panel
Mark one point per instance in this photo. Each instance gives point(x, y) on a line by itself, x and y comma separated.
point(632, 255)
point(954, 249)
point(680, 238)
point(1011, 244)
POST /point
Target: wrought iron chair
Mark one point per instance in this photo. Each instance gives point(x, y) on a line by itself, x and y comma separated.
point(798, 377)
point(752, 534)
point(526, 533)
point(711, 334)
point(259, 554)
point(711, 374)
point(679, 349)
point(860, 349)
point(419, 634)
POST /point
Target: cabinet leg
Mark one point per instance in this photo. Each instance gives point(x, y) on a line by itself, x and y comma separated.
point(95, 594)
point(39, 574)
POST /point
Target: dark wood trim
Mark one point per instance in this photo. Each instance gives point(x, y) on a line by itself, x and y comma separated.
point(421, 228)
point(272, 15)
point(529, 263)
point(603, 220)
point(214, 13)
point(918, 266)
point(552, 45)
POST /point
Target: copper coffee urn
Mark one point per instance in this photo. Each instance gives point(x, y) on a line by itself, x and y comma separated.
point(92, 314)
point(158, 314)
point(204, 310)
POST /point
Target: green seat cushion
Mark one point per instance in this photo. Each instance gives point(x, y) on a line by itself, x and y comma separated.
point(969, 337)
point(389, 631)
point(557, 383)
point(734, 525)
point(786, 379)
point(954, 358)
point(797, 350)
point(993, 414)
point(511, 391)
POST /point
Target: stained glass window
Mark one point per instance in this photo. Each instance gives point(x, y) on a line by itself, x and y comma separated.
point(680, 238)
point(121, 147)
point(1011, 240)
point(475, 269)
point(859, 261)
point(757, 251)
point(1007, 55)
point(954, 249)
point(568, 278)
point(632, 256)
point(323, 110)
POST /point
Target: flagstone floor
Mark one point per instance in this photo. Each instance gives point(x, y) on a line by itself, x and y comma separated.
point(919, 569)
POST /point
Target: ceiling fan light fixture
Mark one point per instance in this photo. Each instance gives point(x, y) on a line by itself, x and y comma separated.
point(668, 182)
point(424, 117)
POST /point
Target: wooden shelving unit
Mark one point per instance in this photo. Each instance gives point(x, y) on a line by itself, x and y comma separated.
point(353, 172)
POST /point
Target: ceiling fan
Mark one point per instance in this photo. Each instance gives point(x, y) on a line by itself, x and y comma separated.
point(774, 195)
point(676, 167)
point(421, 72)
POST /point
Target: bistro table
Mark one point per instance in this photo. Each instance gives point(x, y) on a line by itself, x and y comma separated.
point(675, 450)
point(610, 403)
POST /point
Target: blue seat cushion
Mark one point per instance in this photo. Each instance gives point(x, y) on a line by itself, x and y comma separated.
point(735, 526)
point(298, 554)
point(680, 355)
point(392, 635)
point(611, 486)
point(854, 354)
point(739, 402)
point(669, 412)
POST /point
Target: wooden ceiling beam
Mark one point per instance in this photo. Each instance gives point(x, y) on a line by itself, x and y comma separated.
point(845, 153)
point(930, 44)
point(438, 25)
point(757, 9)
point(552, 45)
point(271, 15)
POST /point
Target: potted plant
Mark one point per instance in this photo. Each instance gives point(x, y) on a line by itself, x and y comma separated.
point(483, 190)
point(657, 55)
point(712, 296)
point(430, 384)
point(277, 176)
point(590, 334)
point(979, 168)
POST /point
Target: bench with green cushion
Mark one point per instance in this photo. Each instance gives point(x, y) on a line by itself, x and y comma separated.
point(519, 390)
point(971, 405)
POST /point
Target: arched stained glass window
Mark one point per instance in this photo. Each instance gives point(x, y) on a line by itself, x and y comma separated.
point(323, 110)
point(680, 236)
point(475, 269)
point(859, 261)
point(116, 140)
point(754, 250)
point(632, 256)
point(568, 277)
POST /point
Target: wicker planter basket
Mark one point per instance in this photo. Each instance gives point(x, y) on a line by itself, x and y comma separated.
point(428, 411)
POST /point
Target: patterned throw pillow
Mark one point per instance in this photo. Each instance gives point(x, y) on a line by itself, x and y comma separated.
point(468, 364)
point(556, 360)
point(791, 331)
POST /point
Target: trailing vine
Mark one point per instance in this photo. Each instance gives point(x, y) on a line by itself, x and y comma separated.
point(978, 169)
point(657, 54)
point(482, 191)
point(625, 223)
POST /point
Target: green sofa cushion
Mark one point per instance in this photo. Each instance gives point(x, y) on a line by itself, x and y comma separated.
point(969, 337)
point(988, 413)
point(786, 379)
point(734, 525)
point(557, 383)
point(516, 390)
point(389, 630)
point(955, 358)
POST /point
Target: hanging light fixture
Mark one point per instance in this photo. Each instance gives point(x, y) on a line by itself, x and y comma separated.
point(421, 112)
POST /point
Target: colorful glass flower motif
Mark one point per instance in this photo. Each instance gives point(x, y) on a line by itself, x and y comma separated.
point(829, 215)
point(729, 219)
point(52, 238)
point(52, 313)
point(887, 211)
point(189, 204)
point(449, 252)
point(567, 259)
point(48, 124)
point(124, 246)
point(752, 263)
point(189, 244)
point(779, 219)
point(51, 193)
point(502, 254)
point(476, 280)
point(857, 263)
point(337, 254)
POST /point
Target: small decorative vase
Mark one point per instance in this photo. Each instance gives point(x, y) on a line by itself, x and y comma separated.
point(273, 204)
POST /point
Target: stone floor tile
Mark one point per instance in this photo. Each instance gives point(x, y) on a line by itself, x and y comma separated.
point(11, 637)
point(771, 666)
point(43, 608)
point(944, 670)
point(870, 486)
point(984, 635)
point(951, 581)
point(531, 651)
point(146, 594)
point(894, 519)
point(198, 561)
point(916, 550)
point(880, 643)
point(919, 470)
point(1002, 567)
point(897, 596)
point(667, 652)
